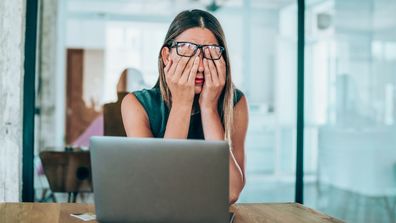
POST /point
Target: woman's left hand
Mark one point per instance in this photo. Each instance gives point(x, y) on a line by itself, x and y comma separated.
point(215, 77)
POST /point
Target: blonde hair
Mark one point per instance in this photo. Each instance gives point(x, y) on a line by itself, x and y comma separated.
point(191, 19)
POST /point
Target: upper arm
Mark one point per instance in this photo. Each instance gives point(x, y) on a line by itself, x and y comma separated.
point(238, 135)
point(134, 117)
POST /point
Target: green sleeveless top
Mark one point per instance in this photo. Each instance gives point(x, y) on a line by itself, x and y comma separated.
point(158, 112)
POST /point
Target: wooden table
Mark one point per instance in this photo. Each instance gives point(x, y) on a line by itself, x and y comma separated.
point(252, 213)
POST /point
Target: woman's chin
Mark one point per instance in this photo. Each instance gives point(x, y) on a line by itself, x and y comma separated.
point(198, 89)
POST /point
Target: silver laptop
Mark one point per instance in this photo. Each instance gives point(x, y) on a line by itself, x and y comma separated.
point(150, 180)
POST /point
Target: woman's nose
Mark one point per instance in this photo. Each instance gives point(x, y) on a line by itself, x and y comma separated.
point(201, 65)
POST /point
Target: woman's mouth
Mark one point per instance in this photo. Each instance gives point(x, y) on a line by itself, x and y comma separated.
point(199, 80)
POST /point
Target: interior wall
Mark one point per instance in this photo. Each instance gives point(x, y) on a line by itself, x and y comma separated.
point(46, 95)
point(12, 33)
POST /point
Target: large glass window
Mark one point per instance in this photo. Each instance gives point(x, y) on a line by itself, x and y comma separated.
point(90, 50)
point(350, 108)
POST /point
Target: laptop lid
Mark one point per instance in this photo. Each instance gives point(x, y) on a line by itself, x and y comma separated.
point(160, 180)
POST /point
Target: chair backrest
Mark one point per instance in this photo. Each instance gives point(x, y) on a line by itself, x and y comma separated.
point(67, 171)
point(112, 118)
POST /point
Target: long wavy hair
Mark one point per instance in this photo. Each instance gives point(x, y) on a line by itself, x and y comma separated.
point(192, 19)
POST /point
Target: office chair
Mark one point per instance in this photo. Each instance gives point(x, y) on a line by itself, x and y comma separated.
point(68, 172)
point(112, 118)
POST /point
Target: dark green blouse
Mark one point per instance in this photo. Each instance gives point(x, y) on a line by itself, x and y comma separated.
point(158, 112)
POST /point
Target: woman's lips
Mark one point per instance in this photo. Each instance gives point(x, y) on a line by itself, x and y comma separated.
point(199, 80)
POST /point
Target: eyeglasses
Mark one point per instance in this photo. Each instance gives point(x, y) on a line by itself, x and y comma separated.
point(187, 49)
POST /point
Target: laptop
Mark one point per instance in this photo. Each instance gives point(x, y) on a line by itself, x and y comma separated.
point(155, 180)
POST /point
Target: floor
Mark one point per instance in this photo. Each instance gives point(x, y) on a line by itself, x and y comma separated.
point(345, 205)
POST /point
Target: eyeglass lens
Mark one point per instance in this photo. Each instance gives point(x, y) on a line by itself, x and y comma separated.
point(188, 50)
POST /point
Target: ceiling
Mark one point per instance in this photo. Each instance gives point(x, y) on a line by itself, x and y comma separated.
point(167, 7)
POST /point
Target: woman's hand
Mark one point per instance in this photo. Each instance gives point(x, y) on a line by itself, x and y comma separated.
point(215, 76)
point(180, 78)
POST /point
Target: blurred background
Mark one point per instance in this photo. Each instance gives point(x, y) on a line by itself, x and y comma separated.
point(90, 50)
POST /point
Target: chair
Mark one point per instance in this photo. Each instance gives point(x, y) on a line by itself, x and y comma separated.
point(68, 172)
point(112, 118)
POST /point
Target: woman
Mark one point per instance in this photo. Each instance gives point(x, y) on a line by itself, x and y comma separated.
point(194, 96)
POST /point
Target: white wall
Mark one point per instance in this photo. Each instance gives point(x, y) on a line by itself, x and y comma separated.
point(93, 70)
point(12, 32)
point(46, 98)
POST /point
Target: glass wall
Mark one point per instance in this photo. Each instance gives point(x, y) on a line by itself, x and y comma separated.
point(90, 50)
point(351, 108)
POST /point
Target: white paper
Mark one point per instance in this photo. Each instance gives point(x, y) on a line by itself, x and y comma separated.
point(85, 216)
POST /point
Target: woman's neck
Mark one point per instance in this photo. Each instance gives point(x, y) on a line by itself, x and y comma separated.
point(195, 107)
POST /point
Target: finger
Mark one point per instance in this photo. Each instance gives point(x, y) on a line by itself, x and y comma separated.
point(214, 53)
point(213, 71)
point(180, 67)
point(208, 78)
point(193, 72)
point(187, 70)
point(220, 66)
point(173, 67)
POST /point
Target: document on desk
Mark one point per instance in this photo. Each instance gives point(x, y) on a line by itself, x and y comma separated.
point(84, 216)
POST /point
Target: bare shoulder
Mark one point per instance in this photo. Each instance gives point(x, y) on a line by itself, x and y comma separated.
point(130, 104)
point(241, 107)
point(241, 121)
point(134, 117)
point(240, 127)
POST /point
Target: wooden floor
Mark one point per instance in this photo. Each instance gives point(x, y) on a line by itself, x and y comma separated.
point(356, 208)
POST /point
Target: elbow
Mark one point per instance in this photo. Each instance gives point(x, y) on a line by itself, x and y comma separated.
point(234, 195)
point(233, 198)
point(236, 191)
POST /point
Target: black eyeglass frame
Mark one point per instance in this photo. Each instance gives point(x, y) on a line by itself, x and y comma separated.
point(173, 44)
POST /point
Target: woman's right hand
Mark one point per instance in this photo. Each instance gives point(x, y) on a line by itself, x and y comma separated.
point(180, 78)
